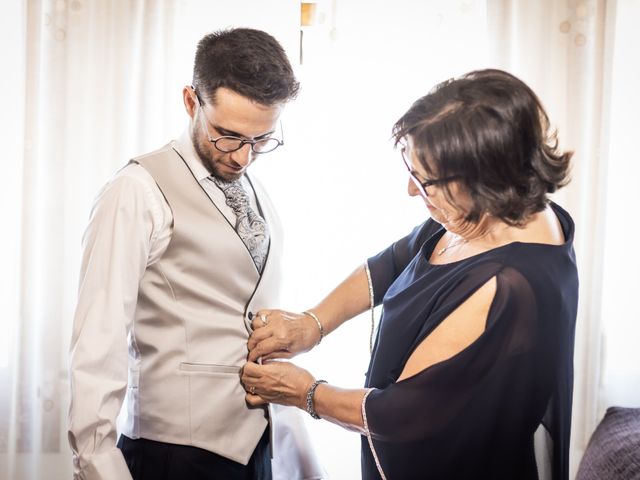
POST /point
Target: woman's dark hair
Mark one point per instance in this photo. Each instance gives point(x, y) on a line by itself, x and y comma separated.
point(489, 129)
point(249, 62)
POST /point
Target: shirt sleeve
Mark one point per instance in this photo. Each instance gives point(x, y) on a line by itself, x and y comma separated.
point(387, 265)
point(129, 227)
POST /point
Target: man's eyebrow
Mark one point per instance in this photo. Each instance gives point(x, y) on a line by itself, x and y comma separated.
point(231, 133)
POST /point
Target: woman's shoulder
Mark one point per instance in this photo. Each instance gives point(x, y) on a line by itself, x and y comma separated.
point(427, 229)
point(420, 235)
point(549, 235)
point(551, 226)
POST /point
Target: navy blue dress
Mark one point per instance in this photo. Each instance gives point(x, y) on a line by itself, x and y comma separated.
point(474, 415)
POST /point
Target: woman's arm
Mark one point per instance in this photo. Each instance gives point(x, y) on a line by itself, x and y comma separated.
point(287, 384)
point(340, 406)
point(280, 334)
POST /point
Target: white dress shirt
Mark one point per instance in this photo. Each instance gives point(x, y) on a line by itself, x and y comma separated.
point(129, 229)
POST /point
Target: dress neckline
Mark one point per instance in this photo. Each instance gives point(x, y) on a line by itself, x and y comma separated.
point(562, 215)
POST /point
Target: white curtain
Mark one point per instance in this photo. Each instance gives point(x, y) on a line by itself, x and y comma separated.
point(580, 57)
point(80, 102)
point(620, 309)
point(90, 83)
point(344, 193)
point(561, 49)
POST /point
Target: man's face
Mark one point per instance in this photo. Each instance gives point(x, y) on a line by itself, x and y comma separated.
point(231, 115)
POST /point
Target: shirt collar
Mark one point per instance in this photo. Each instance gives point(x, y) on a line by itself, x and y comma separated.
point(185, 148)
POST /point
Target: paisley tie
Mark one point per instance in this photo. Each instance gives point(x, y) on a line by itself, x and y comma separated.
point(250, 226)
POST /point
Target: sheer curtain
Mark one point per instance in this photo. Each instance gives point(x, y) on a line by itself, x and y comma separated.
point(579, 56)
point(91, 83)
point(344, 197)
point(561, 49)
point(79, 100)
point(364, 64)
point(620, 309)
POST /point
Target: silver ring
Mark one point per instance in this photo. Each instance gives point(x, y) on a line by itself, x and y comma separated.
point(264, 319)
point(252, 390)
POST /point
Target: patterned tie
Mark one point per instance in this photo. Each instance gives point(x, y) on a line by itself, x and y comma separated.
point(250, 226)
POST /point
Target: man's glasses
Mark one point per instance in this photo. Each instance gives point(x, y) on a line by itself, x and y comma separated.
point(230, 143)
point(422, 185)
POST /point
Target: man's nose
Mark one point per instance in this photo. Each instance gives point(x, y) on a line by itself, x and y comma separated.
point(243, 155)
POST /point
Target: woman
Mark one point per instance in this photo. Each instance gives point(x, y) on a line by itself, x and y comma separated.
point(471, 374)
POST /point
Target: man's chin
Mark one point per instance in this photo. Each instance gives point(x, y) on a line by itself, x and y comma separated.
point(227, 177)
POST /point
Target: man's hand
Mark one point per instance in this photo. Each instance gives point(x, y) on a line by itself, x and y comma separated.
point(280, 334)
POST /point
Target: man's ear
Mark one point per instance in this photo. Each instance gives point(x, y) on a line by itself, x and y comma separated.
point(190, 100)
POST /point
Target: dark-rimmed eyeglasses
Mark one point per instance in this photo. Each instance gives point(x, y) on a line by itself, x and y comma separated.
point(422, 185)
point(230, 143)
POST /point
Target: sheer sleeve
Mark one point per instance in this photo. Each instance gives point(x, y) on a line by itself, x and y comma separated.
point(387, 265)
point(475, 393)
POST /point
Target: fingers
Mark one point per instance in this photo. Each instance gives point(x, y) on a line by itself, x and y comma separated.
point(275, 382)
point(250, 371)
point(255, 356)
point(249, 378)
point(271, 347)
point(282, 354)
point(261, 319)
point(258, 336)
point(260, 333)
point(255, 400)
point(272, 342)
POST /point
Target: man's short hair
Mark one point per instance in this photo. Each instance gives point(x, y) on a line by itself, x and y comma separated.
point(249, 62)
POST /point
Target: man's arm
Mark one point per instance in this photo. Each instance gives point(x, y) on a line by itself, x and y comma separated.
point(124, 233)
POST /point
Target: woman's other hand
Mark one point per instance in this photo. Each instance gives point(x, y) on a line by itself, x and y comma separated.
point(276, 382)
point(280, 334)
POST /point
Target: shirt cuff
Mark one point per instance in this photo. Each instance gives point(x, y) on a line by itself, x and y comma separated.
point(108, 465)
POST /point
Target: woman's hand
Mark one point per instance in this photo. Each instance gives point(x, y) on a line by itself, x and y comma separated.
point(280, 334)
point(276, 382)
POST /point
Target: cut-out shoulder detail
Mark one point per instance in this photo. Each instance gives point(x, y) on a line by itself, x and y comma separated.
point(456, 332)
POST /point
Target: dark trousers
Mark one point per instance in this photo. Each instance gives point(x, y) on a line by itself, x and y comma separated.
point(151, 460)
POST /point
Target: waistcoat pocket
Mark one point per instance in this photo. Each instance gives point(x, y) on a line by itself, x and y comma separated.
point(208, 368)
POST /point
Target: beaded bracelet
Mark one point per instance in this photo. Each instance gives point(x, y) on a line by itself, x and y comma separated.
point(312, 390)
point(315, 317)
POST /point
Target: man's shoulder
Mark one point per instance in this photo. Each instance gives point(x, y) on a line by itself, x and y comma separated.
point(168, 148)
point(135, 173)
point(132, 174)
point(132, 180)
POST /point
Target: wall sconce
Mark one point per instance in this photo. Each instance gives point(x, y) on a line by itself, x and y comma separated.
point(308, 14)
point(315, 20)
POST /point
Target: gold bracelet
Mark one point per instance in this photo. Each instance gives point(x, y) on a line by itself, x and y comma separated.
point(315, 317)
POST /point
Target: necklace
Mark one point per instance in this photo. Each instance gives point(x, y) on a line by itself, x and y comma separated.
point(457, 240)
point(452, 243)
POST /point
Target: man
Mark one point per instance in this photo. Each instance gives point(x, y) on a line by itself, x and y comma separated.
point(182, 246)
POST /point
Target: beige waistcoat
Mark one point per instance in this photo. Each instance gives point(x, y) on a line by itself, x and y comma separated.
point(191, 325)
